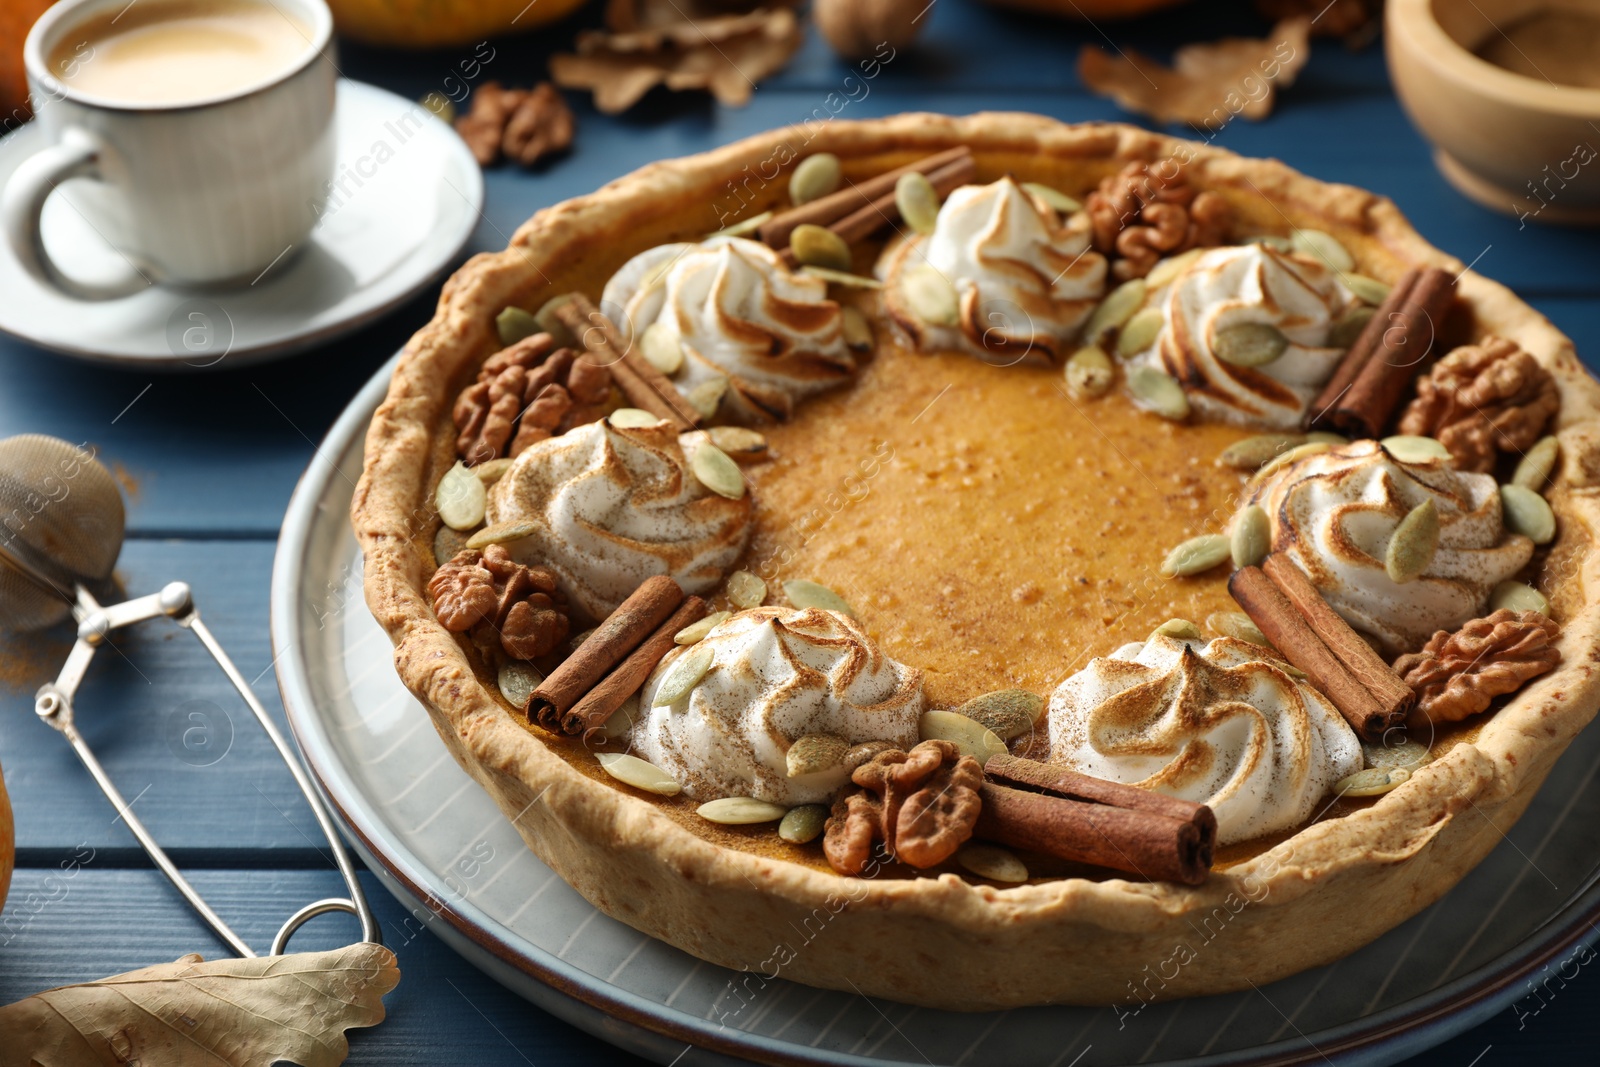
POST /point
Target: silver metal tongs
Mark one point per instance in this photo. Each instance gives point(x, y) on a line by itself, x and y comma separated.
point(61, 530)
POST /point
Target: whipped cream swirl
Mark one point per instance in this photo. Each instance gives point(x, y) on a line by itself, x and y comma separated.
point(740, 314)
point(1025, 281)
point(778, 674)
point(611, 507)
point(1216, 724)
point(1333, 514)
point(1250, 283)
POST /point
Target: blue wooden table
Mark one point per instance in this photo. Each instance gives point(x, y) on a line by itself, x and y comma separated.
point(209, 461)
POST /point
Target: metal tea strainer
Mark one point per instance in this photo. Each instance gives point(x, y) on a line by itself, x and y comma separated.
point(61, 526)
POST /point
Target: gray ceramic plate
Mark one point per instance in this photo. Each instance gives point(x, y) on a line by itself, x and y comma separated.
point(445, 851)
point(409, 196)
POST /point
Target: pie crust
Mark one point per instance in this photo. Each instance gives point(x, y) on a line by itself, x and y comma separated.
point(941, 941)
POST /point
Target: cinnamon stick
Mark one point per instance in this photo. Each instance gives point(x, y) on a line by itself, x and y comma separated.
point(884, 210)
point(624, 630)
point(1401, 354)
point(1145, 843)
point(1283, 625)
point(1026, 774)
point(1394, 696)
point(826, 210)
point(1359, 353)
point(643, 385)
point(588, 715)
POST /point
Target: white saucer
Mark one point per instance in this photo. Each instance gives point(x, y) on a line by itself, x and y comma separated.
point(411, 196)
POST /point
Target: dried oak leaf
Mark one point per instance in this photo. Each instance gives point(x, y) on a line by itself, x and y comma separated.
point(243, 1013)
point(1207, 84)
point(1481, 400)
point(1458, 674)
point(922, 804)
point(726, 54)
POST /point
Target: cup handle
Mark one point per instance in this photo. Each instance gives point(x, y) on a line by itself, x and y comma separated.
point(77, 155)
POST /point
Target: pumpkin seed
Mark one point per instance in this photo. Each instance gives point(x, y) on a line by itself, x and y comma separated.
point(1141, 331)
point(632, 418)
point(1289, 668)
point(804, 594)
point(931, 296)
point(641, 774)
point(917, 201)
point(1367, 290)
point(576, 641)
point(1294, 455)
point(1324, 247)
point(517, 681)
point(1008, 713)
point(1253, 452)
point(1117, 308)
point(1178, 630)
point(461, 498)
point(1518, 596)
point(866, 752)
point(992, 862)
point(971, 737)
point(1347, 327)
point(1252, 536)
point(1409, 754)
point(446, 543)
point(684, 674)
point(746, 590)
point(1372, 782)
point(1326, 438)
point(662, 348)
point(1196, 555)
point(818, 246)
point(1237, 625)
point(440, 105)
point(1168, 269)
point(620, 724)
point(513, 324)
point(1413, 543)
point(717, 471)
point(744, 227)
point(491, 471)
point(856, 329)
point(1052, 197)
point(815, 177)
point(1533, 470)
point(1089, 373)
point(1158, 392)
point(696, 631)
point(551, 323)
point(803, 824)
point(706, 397)
point(740, 811)
point(1528, 513)
point(1249, 344)
point(1271, 240)
point(502, 533)
point(1409, 448)
point(839, 277)
point(815, 753)
point(739, 441)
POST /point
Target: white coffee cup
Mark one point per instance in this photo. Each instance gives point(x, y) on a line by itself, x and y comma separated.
point(210, 191)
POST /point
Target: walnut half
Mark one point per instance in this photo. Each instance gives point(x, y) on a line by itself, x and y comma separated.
point(1459, 674)
point(922, 804)
point(1481, 400)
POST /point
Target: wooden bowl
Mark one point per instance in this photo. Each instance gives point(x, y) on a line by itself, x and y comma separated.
point(1511, 142)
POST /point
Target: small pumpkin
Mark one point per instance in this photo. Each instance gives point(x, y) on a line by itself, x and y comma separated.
point(8, 842)
point(441, 23)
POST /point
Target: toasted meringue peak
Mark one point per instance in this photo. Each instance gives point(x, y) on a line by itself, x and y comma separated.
point(1334, 512)
point(1025, 281)
point(739, 314)
point(1216, 724)
point(613, 507)
point(1249, 283)
point(776, 675)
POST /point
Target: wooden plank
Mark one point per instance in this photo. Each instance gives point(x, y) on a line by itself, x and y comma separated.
point(150, 714)
point(61, 928)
